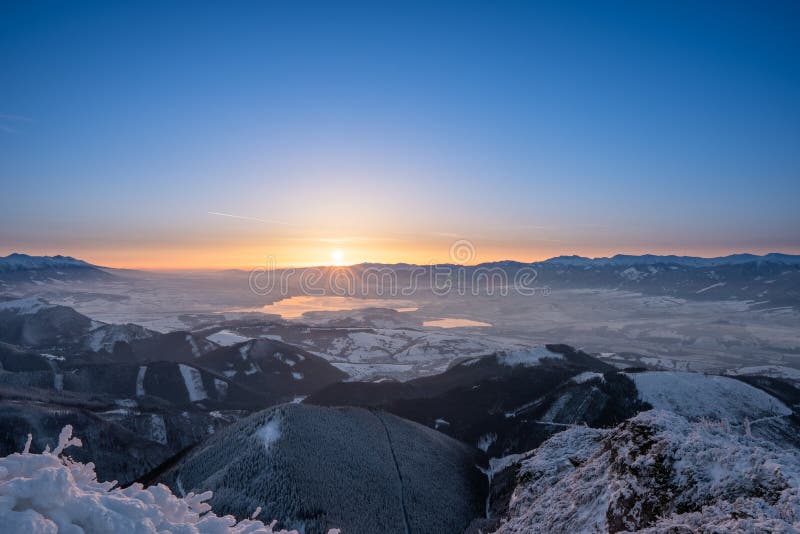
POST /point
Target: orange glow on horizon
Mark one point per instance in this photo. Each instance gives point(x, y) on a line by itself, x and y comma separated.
point(321, 253)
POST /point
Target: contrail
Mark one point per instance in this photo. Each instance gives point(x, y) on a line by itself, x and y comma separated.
point(245, 218)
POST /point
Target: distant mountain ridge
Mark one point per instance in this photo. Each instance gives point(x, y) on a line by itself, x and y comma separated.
point(38, 269)
point(19, 262)
point(627, 260)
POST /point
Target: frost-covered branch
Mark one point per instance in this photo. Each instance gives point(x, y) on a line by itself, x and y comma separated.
point(50, 493)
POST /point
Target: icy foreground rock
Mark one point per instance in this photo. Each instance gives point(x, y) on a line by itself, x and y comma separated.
point(49, 493)
point(657, 472)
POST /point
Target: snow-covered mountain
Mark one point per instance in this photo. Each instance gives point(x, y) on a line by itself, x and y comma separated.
point(657, 472)
point(20, 262)
point(767, 281)
point(626, 260)
point(18, 268)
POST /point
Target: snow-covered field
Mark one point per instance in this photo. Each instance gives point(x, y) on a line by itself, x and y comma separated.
point(226, 338)
point(696, 334)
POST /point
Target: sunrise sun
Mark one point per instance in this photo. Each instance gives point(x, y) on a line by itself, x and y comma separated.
point(337, 257)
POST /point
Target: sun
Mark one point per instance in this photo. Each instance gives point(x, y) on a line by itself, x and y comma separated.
point(337, 257)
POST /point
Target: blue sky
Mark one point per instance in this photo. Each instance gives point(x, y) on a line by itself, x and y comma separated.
point(389, 129)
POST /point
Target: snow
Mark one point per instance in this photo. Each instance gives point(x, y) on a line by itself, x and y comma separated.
point(226, 338)
point(52, 357)
point(193, 344)
point(58, 381)
point(774, 371)
point(158, 429)
point(499, 464)
point(665, 363)
point(194, 383)
point(221, 386)
point(527, 357)
point(270, 433)
point(657, 471)
point(105, 336)
point(26, 306)
point(284, 359)
point(695, 395)
point(452, 322)
point(685, 261)
point(712, 286)
point(365, 372)
point(405, 345)
point(140, 381)
point(19, 262)
point(485, 441)
point(587, 376)
point(297, 376)
point(632, 274)
point(45, 494)
point(441, 422)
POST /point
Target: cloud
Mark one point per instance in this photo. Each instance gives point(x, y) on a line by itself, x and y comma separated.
point(9, 122)
point(246, 218)
point(16, 118)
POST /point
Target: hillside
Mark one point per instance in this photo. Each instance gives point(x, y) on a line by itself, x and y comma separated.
point(315, 468)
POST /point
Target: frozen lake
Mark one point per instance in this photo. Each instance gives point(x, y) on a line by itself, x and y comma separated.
point(295, 307)
point(452, 322)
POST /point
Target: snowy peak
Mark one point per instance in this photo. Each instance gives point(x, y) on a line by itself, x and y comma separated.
point(19, 262)
point(39, 270)
point(626, 260)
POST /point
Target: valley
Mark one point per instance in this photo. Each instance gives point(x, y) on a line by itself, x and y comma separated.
point(434, 413)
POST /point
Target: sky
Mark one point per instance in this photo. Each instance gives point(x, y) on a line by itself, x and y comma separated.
point(220, 134)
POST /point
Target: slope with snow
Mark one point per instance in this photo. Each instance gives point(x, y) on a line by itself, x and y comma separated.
point(656, 472)
point(23, 268)
point(314, 468)
point(278, 370)
point(104, 337)
point(24, 306)
point(193, 381)
point(695, 396)
point(773, 371)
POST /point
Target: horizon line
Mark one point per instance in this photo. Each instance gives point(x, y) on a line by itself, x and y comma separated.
point(432, 263)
